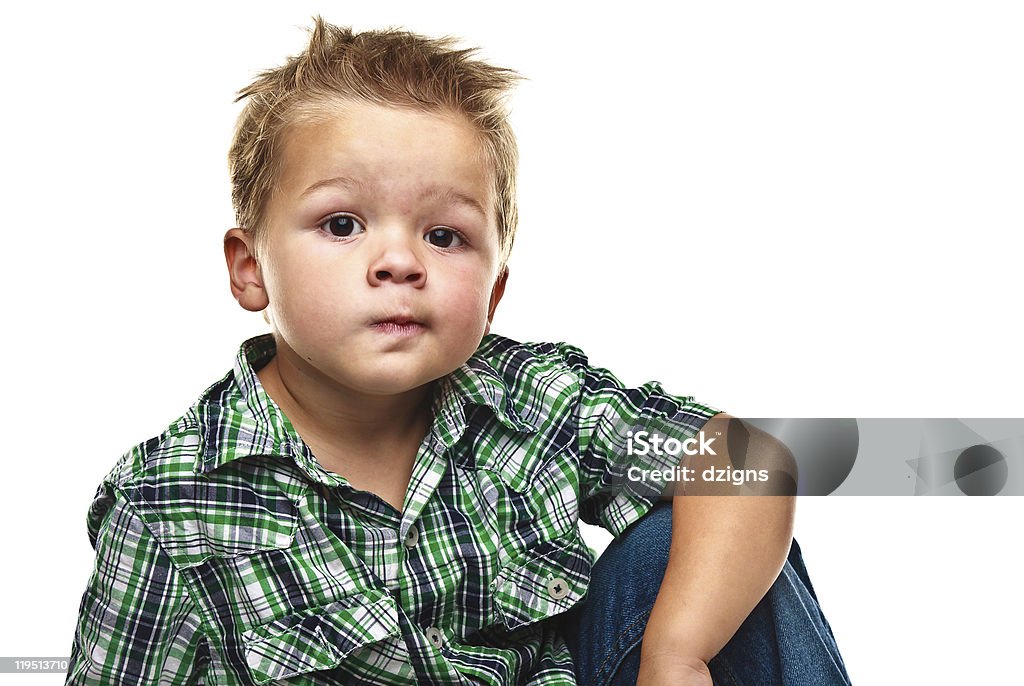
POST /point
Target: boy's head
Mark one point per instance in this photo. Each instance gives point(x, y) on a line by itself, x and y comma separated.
point(390, 68)
point(373, 178)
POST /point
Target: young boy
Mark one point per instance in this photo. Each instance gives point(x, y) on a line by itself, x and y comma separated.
point(381, 491)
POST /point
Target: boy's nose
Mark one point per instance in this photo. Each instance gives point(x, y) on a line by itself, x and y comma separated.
point(398, 265)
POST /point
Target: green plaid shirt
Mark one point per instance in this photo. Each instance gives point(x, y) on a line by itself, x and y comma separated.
point(225, 554)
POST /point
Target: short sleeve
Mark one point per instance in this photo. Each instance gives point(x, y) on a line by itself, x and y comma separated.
point(136, 622)
point(630, 439)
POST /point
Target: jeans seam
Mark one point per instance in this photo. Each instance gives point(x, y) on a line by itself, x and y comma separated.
point(615, 647)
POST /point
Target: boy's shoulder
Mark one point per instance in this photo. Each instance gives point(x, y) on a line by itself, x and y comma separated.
point(533, 381)
point(174, 451)
point(502, 352)
point(521, 365)
point(151, 463)
point(186, 484)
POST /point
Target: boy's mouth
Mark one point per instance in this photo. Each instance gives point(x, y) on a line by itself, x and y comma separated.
point(398, 326)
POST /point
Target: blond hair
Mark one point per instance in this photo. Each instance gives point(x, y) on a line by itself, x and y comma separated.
point(386, 67)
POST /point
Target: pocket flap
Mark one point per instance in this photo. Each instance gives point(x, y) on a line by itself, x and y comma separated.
point(543, 582)
point(319, 638)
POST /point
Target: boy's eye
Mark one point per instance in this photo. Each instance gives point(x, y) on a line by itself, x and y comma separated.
point(343, 226)
point(444, 238)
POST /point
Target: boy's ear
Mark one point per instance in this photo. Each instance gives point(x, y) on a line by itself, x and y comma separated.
point(244, 271)
point(496, 292)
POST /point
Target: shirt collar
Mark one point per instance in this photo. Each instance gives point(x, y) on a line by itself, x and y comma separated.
point(477, 382)
point(237, 417)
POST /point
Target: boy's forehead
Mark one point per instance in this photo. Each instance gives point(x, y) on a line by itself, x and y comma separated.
point(362, 146)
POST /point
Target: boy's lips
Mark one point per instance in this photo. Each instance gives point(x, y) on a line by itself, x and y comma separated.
point(398, 319)
point(400, 325)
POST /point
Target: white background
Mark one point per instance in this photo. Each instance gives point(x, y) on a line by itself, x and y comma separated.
point(783, 209)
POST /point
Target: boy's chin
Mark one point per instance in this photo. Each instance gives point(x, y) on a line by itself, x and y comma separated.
point(398, 382)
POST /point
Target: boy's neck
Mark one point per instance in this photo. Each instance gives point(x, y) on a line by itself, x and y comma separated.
point(350, 423)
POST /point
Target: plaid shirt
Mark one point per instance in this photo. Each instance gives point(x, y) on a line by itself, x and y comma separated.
point(225, 554)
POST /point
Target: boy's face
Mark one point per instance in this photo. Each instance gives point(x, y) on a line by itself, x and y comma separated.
point(380, 262)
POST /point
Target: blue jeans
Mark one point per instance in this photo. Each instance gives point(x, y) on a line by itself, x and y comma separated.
point(785, 639)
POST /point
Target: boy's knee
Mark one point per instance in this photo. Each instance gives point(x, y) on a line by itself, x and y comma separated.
point(645, 543)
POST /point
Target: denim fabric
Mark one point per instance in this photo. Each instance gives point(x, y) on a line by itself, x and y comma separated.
point(785, 639)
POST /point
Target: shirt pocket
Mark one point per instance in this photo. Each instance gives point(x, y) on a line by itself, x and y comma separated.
point(320, 638)
point(542, 582)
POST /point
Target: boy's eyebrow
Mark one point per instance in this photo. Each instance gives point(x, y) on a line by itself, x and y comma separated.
point(336, 181)
point(448, 195)
point(453, 197)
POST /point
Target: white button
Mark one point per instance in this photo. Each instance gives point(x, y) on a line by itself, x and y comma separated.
point(558, 588)
point(412, 536)
point(435, 636)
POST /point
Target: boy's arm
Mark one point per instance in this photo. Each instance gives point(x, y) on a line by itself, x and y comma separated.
point(136, 623)
point(726, 552)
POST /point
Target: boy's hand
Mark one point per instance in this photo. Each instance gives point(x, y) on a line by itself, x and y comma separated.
point(667, 669)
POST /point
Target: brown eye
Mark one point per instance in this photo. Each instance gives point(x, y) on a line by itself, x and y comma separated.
point(444, 238)
point(343, 226)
